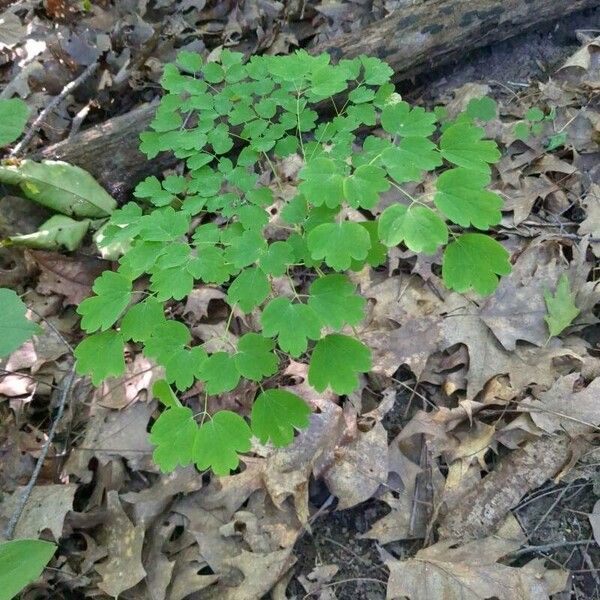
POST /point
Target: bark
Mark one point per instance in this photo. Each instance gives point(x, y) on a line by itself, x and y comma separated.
point(412, 40)
point(480, 512)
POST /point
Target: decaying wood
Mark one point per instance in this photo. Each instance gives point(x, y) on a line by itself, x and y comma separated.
point(482, 510)
point(416, 38)
point(412, 40)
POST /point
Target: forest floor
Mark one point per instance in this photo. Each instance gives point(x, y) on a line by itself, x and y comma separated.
point(466, 399)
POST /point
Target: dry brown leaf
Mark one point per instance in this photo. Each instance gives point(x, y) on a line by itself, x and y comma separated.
point(186, 579)
point(123, 542)
point(517, 310)
point(591, 224)
point(359, 467)
point(566, 406)
point(113, 434)
point(70, 276)
point(198, 300)
point(45, 509)
point(260, 573)
point(121, 392)
point(471, 572)
point(406, 519)
point(594, 518)
point(287, 470)
point(159, 569)
point(530, 189)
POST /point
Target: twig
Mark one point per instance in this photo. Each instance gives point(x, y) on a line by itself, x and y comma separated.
point(66, 385)
point(552, 546)
point(22, 145)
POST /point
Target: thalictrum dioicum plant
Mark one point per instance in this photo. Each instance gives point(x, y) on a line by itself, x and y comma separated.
point(230, 121)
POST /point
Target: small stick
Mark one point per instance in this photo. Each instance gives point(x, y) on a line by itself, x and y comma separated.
point(551, 546)
point(22, 145)
point(66, 385)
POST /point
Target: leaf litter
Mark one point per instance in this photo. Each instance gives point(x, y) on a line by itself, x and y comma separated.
point(405, 489)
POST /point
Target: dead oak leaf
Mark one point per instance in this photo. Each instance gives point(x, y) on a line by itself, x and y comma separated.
point(471, 572)
point(123, 542)
point(45, 509)
point(566, 407)
point(359, 467)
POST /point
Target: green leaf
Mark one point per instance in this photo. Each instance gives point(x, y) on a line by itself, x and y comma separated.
point(113, 294)
point(534, 114)
point(151, 189)
point(408, 160)
point(219, 440)
point(334, 300)
point(167, 344)
point(246, 249)
point(189, 61)
point(363, 187)
point(322, 183)
point(58, 231)
point(417, 226)
point(164, 225)
point(277, 258)
point(561, 307)
point(13, 118)
point(21, 563)
point(249, 289)
point(275, 415)
point(336, 361)
point(255, 359)
point(339, 243)
point(400, 119)
point(462, 198)
point(162, 390)
point(521, 131)
point(15, 327)
point(100, 355)
point(211, 266)
point(484, 109)
point(173, 434)
point(219, 373)
point(475, 261)
point(293, 324)
point(462, 144)
point(376, 71)
point(141, 319)
point(60, 186)
point(556, 141)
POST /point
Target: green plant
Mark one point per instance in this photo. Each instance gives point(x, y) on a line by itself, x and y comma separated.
point(229, 122)
point(21, 563)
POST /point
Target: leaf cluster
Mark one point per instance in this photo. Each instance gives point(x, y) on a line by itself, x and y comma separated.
point(210, 223)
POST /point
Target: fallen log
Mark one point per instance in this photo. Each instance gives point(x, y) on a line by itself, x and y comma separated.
point(412, 40)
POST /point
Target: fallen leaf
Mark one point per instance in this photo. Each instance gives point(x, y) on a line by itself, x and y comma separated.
point(45, 509)
point(123, 542)
point(359, 468)
point(114, 434)
point(566, 406)
point(70, 276)
point(471, 572)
